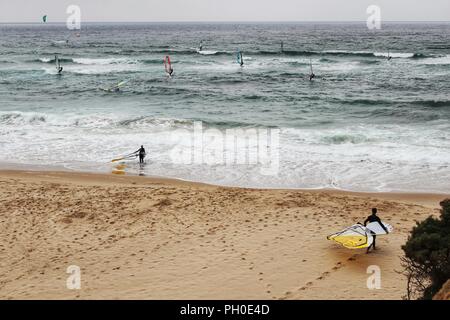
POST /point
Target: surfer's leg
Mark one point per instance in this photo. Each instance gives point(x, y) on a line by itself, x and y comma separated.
point(373, 244)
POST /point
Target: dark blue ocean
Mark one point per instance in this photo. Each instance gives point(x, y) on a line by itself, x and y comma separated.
point(364, 123)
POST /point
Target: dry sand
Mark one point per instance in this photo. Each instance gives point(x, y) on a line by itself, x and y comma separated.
point(144, 238)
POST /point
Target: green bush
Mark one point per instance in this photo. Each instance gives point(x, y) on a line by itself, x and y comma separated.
point(427, 255)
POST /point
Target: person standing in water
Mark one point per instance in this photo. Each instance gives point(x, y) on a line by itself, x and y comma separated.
point(141, 152)
point(374, 218)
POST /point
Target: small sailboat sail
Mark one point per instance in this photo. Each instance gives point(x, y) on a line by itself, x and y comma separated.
point(57, 62)
point(168, 65)
point(311, 74)
point(59, 69)
point(239, 58)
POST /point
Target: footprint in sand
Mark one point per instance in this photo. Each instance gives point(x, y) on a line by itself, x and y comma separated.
point(323, 276)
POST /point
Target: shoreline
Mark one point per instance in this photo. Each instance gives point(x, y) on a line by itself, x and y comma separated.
point(423, 197)
point(156, 238)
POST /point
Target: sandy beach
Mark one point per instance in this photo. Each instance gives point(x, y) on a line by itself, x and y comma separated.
point(147, 238)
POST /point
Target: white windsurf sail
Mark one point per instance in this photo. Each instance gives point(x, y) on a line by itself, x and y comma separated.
point(354, 237)
point(239, 58)
point(57, 62)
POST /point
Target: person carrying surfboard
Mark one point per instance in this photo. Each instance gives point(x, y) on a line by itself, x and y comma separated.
point(374, 218)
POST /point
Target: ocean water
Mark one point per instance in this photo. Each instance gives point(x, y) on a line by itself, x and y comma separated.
point(365, 123)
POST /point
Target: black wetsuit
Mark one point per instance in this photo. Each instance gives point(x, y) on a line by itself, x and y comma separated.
point(141, 155)
point(374, 218)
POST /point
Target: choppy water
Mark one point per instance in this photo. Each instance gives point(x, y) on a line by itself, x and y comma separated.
point(364, 124)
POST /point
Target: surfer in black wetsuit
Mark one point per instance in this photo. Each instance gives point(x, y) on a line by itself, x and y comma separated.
point(60, 70)
point(141, 153)
point(170, 71)
point(374, 218)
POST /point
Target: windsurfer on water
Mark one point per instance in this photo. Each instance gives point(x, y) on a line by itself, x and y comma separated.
point(168, 66)
point(59, 69)
point(311, 74)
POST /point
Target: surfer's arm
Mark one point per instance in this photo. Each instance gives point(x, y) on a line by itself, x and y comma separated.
point(382, 225)
point(365, 222)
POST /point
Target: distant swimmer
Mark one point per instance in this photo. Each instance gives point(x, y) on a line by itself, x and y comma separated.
point(141, 153)
point(200, 47)
point(374, 218)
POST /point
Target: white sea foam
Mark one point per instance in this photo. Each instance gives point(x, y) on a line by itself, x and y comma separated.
point(394, 54)
point(104, 61)
point(371, 158)
point(437, 60)
point(207, 52)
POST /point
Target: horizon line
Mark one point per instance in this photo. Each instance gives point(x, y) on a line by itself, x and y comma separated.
point(233, 21)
